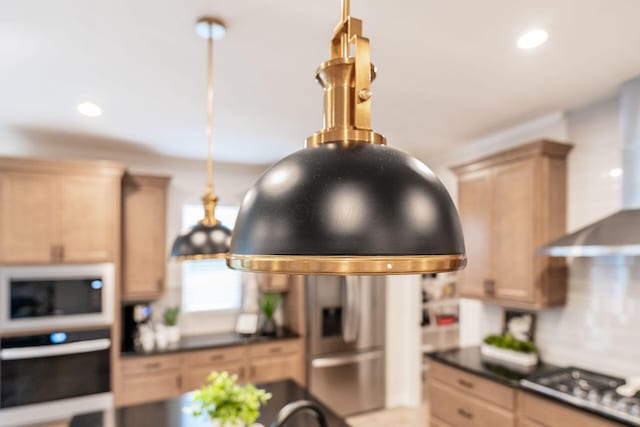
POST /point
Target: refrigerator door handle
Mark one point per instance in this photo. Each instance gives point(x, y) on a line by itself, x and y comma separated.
point(330, 362)
point(352, 308)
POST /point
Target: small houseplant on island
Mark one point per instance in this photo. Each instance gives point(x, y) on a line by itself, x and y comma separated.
point(226, 403)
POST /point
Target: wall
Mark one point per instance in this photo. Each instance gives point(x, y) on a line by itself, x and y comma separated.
point(404, 361)
point(597, 328)
point(188, 178)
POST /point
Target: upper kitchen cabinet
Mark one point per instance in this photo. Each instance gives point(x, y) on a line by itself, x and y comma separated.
point(59, 211)
point(510, 204)
point(144, 236)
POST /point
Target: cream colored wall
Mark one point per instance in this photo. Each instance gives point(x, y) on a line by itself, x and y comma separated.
point(597, 328)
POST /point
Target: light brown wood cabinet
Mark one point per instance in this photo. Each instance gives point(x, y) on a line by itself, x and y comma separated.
point(460, 399)
point(59, 211)
point(144, 233)
point(148, 378)
point(145, 379)
point(510, 204)
point(536, 411)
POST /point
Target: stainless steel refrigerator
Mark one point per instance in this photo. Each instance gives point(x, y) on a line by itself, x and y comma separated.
point(346, 341)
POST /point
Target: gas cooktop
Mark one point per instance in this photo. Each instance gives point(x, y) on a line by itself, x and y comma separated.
point(589, 390)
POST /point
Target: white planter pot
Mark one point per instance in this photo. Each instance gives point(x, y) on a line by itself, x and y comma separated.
point(509, 356)
point(173, 334)
point(162, 341)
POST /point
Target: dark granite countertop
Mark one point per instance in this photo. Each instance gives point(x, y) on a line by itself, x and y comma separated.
point(209, 341)
point(168, 413)
point(470, 359)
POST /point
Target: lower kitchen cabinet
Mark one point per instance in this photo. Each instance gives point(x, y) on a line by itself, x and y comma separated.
point(537, 411)
point(197, 365)
point(461, 409)
point(145, 379)
point(148, 378)
point(274, 368)
point(460, 399)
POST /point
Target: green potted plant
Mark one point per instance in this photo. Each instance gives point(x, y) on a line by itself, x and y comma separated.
point(509, 349)
point(268, 303)
point(170, 318)
point(226, 403)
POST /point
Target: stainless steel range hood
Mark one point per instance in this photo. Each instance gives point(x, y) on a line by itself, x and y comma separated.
point(617, 234)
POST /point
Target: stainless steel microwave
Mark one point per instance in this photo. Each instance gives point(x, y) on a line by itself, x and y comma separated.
point(56, 296)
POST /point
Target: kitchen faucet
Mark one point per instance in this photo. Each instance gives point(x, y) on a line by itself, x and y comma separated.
point(293, 408)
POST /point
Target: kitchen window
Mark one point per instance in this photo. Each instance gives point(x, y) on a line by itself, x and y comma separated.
point(210, 285)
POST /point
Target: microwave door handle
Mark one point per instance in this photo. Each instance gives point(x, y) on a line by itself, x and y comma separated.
point(54, 350)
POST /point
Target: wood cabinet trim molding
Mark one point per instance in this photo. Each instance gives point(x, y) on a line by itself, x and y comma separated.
point(544, 147)
point(62, 167)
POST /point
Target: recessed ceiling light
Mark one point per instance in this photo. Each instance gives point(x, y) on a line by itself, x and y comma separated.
point(89, 109)
point(532, 38)
point(615, 172)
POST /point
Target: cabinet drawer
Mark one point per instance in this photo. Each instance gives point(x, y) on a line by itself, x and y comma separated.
point(148, 388)
point(434, 422)
point(149, 365)
point(274, 349)
point(552, 414)
point(212, 357)
point(276, 368)
point(462, 410)
point(195, 377)
point(474, 385)
point(526, 422)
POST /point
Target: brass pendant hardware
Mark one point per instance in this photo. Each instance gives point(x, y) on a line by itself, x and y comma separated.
point(209, 238)
point(209, 201)
point(346, 81)
point(212, 29)
point(347, 265)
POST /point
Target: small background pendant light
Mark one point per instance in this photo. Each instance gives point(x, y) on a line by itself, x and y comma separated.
point(209, 238)
point(347, 203)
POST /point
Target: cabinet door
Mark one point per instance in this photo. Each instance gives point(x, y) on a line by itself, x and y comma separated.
point(276, 368)
point(459, 409)
point(196, 376)
point(474, 206)
point(138, 389)
point(88, 218)
point(27, 218)
point(512, 251)
point(144, 236)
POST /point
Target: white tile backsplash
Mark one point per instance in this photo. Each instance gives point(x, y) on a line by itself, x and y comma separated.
point(599, 327)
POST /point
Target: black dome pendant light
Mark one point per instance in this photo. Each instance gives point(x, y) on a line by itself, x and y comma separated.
point(347, 203)
point(208, 239)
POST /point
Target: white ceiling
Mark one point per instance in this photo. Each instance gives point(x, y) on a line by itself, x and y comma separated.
point(449, 71)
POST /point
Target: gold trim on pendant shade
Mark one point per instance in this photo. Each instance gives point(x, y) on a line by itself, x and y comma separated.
point(347, 265)
point(200, 257)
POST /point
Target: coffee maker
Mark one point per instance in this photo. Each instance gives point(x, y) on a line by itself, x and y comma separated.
point(134, 316)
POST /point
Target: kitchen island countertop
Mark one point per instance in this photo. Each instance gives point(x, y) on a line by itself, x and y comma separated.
point(169, 413)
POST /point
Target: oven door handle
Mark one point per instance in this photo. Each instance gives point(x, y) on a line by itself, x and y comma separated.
point(54, 350)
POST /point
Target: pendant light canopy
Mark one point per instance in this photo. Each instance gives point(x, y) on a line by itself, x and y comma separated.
point(347, 203)
point(209, 238)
